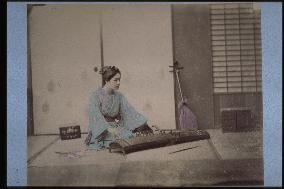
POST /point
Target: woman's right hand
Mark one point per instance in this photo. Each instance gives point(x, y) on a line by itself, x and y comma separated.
point(114, 132)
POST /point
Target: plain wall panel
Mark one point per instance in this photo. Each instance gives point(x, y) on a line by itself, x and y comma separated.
point(192, 44)
point(64, 50)
point(138, 39)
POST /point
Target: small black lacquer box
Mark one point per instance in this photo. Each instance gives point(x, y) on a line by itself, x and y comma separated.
point(70, 132)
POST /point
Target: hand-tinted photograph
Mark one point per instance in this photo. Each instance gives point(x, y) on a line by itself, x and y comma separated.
point(145, 94)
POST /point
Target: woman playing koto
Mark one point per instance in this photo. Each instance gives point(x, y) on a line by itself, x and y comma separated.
point(110, 114)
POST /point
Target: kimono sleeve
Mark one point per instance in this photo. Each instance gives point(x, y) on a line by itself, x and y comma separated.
point(130, 117)
point(97, 122)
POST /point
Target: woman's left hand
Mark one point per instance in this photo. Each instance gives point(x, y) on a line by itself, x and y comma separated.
point(143, 129)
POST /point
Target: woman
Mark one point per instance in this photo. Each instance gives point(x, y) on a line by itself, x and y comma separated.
point(110, 115)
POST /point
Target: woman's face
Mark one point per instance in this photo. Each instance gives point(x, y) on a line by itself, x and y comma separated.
point(114, 82)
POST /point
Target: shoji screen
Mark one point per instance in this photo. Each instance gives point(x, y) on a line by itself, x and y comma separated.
point(236, 48)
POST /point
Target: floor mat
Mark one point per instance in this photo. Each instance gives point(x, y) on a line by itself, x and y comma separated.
point(191, 173)
point(73, 152)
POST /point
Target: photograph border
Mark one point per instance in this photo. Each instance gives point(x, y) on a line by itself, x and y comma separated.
point(271, 28)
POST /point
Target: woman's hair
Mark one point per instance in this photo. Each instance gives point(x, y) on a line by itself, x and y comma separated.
point(108, 72)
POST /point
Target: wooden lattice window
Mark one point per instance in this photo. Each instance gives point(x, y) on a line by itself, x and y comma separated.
point(236, 48)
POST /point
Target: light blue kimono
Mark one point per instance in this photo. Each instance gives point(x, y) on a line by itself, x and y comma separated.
point(110, 105)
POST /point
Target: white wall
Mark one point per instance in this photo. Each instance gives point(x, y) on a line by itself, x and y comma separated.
point(65, 47)
point(64, 50)
point(138, 39)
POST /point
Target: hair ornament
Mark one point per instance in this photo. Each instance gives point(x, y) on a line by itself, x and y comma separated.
point(106, 68)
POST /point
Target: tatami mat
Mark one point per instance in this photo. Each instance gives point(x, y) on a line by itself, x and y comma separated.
point(74, 152)
point(197, 150)
point(38, 143)
point(227, 158)
point(237, 145)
